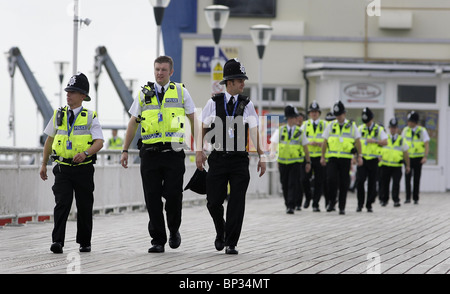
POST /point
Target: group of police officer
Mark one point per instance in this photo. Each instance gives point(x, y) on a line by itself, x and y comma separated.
point(325, 150)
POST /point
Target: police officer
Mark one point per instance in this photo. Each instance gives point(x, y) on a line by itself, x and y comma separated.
point(372, 137)
point(393, 155)
point(340, 137)
point(289, 142)
point(417, 139)
point(74, 137)
point(314, 128)
point(160, 108)
point(115, 142)
point(227, 119)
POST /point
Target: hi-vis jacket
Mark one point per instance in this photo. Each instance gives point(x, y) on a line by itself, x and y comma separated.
point(341, 141)
point(290, 150)
point(66, 145)
point(163, 122)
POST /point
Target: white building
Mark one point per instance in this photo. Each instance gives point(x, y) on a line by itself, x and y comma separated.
point(392, 56)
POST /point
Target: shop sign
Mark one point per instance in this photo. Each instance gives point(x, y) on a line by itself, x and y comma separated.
point(362, 93)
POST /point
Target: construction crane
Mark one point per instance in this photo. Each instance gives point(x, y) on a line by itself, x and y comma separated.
point(15, 58)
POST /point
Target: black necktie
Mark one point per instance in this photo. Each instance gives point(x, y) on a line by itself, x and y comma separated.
point(71, 116)
point(315, 126)
point(230, 106)
point(161, 95)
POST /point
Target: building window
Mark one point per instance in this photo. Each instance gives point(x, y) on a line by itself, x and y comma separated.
point(269, 94)
point(416, 94)
point(291, 95)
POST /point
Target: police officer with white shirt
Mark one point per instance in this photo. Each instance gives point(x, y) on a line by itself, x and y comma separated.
point(160, 110)
point(74, 138)
point(227, 120)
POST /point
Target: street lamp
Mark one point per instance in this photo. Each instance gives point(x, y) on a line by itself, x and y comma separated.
point(76, 20)
point(217, 17)
point(261, 36)
point(158, 9)
point(61, 68)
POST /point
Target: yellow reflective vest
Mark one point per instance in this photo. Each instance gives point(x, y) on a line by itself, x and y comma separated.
point(290, 150)
point(115, 143)
point(369, 150)
point(163, 122)
point(70, 140)
point(341, 141)
point(314, 136)
point(392, 153)
point(415, 143)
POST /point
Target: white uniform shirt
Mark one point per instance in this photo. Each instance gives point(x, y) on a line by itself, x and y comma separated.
point(249, 115)
point(96, 129)
point(189, 106)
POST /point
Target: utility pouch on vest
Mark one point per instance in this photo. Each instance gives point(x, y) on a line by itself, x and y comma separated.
point(59, 117)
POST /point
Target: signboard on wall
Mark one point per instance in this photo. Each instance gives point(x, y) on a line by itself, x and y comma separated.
point(205, 54)
point(367, 94)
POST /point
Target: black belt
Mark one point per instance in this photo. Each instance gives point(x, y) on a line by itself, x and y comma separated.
point(230, 153)
point(70, 160)
point(157, 147)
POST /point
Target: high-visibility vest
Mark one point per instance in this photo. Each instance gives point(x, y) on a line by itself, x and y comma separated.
point(290, 150)
point(341, 140)
point(369, 150)
point(115, 143)
point(314, 136)
point(392, 153)
point(65, 145)
point(163, 122)
point(415, 143)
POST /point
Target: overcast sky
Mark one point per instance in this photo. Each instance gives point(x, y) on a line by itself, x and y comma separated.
point(43, 31)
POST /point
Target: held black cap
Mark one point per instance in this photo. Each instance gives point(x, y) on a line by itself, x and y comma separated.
point(290, 111)
point(198, 182)
point(367, 115)
point(79, 83)
point(233, 69)
point(338, 108)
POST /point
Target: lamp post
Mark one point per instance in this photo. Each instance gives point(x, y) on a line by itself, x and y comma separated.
point(61, 68)
point(76, 20)
point(261, 36)
point(158, 9)
point(217, 17)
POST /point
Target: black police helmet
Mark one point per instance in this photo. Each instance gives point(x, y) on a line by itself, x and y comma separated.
point(291, 111)
point(314, 106)
point(413, 116)
point(339, 108)
point(198, 182)
point(79, 83)
point(393, 122)
point(330, 116)
point(233, 69)
point(367, 115)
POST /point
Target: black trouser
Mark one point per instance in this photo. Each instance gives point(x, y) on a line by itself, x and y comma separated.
point(224, 168)
point(70, 179)
point(319, 181)
point(388, 173)
point(416, 169)
point(338, 177)
point(369, 171)
point(290, 177)
point(162, 176)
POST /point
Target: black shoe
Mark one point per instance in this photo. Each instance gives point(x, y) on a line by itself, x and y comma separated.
point(219, 243)
point(383, 203)
point(416, 201)
point(396, 204)
point(330, 208)
point(85, 248)
point(56, 247)
point(359, 209)
point(369, 209)
point(316, 209)
point(175, 240)
point(407, 201)
point(306, 205)
point(231, 250)
point(298, 207)
point(342, 211)
point(290, 211)
point(156, 249)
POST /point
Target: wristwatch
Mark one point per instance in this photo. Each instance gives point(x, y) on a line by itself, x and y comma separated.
point(86, 153)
